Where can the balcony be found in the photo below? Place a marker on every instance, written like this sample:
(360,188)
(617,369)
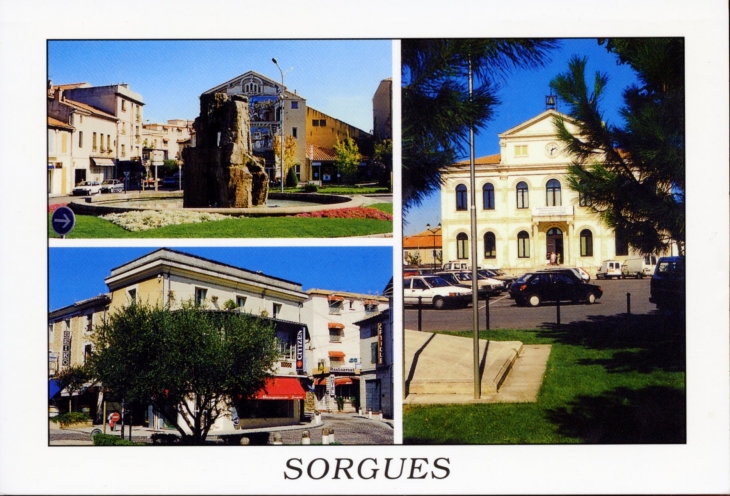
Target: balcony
(101,153)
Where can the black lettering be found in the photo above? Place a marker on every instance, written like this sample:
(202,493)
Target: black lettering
(442,467)
(344,469)
(387,466)
(415,467)
(374,472)
(311,464)
(289,465)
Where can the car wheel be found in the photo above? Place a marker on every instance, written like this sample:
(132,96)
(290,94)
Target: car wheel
(439,303)
(591,298)
(534,300)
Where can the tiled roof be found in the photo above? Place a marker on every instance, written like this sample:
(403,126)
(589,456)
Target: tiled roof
(88,108)
(423,239)
(487,160)
(345,294)
(320,154)
(56,123)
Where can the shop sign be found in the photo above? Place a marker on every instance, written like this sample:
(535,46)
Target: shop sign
(331,381)
(66,361)
(380,343)
(300,349)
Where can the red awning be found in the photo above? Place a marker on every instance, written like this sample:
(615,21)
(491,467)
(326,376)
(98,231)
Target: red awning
(335,325)
(281,388)
(370,303)
(335,298)
(342,381)
(336,354)
(322,381)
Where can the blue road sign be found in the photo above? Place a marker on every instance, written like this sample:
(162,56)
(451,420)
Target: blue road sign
(63,221)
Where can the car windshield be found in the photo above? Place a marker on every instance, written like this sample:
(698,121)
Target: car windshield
(524,278)
(108,181)
(668,268)
(436,282)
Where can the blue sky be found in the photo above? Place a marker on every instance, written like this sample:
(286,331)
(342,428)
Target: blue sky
(78,273)
(522,93)
(337,77)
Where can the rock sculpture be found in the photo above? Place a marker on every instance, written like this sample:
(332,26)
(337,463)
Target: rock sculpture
(221,170)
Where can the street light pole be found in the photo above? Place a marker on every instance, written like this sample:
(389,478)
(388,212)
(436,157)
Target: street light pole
(281,126)
(433,233)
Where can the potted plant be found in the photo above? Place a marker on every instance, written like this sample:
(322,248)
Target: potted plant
(340,403)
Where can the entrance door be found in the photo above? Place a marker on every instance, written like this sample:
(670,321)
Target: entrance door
(372,395)
(79,175)
(555,244)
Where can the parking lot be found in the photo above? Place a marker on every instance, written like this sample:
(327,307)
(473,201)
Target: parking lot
(505,314)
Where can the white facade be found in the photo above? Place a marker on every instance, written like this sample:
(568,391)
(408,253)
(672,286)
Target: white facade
(333,356)
(525,207)
(376,376)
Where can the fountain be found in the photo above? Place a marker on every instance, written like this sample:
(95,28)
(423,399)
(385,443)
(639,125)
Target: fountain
(221,166)
(221,173)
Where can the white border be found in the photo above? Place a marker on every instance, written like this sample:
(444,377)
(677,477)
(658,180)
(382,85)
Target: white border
(27,465)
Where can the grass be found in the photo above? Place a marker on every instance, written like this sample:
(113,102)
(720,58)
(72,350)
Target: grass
(608,381)
(88,226)
(383,207)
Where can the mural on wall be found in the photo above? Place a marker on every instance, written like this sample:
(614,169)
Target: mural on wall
(262,111)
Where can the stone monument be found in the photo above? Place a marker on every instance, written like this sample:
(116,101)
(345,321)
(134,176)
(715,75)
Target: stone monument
(221,170)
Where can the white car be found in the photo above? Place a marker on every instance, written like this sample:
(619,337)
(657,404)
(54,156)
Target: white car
(112,186)
(433,290)
(85,188)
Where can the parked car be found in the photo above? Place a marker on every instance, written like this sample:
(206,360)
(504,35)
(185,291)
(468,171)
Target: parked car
(86,188)
(639,267)
(111,186)
(492,286)
(500,275)
(609,269)
(578,271)
(667,288)
(433,290)
(535,287)
(173,180)
(451,278)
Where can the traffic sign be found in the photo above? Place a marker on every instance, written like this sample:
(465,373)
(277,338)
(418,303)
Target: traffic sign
(63,221)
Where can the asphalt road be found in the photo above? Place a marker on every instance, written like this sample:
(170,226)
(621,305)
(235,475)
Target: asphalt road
(505,314)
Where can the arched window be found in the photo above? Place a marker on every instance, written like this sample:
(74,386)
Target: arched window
(523,245)
(488,191)
(553,193)
(584,200)
(586,243)
(490,245)
(462,246)
(461,200)
(523,199)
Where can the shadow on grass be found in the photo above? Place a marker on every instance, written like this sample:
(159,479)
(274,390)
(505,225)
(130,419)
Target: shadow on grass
(652,415)
(642,343)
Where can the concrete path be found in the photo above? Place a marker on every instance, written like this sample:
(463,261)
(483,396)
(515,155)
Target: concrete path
(439,370)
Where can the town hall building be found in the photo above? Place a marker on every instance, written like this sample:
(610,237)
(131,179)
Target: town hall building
(525,206)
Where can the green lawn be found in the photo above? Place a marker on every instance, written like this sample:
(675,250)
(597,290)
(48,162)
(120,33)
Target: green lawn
(609,381)
(340,190)
(383,207)
(88,226)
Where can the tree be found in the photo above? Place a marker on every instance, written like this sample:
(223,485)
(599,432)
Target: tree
(291,178)
(383,160)
(633,175)
(437,111)
(347,158)
(290,152)
(75,379)
(190,364)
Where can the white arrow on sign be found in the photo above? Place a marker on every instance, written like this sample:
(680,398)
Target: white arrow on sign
(65,221)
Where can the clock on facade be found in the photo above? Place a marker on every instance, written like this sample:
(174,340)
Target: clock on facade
(552,149)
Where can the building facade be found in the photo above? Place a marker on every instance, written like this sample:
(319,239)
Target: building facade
(334,349)
(169,278)
(376,374)
(423,249)
(525,207)
(267,100)
(383,110)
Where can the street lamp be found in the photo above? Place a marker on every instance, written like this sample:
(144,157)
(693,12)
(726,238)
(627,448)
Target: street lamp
(281,126)
(433,233)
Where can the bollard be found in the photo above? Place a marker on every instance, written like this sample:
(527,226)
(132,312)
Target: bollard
(277,438)
(359,411)
(305,437)
(244,441)
(380,415)
(628,303)
(316,418)
(325,435)
(420,305)
(486,310)
(370,414)
(332,436)
(558,310)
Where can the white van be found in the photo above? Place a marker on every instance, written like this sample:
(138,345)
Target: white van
(639,267)
(609,269)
